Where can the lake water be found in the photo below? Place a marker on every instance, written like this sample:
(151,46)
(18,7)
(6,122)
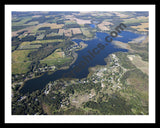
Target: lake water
(92,25)
(40,82)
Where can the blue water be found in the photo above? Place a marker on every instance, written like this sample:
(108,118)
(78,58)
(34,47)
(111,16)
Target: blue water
(92,25)
(77,70)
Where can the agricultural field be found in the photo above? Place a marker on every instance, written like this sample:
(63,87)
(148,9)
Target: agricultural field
(20,61)
(142,27)
(28,45)
(141,19)
(20,67)
(86,32)
(56,58)
(105,25)
(20,55)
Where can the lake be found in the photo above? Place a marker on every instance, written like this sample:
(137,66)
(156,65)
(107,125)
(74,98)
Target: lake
(92,25)
(40,82)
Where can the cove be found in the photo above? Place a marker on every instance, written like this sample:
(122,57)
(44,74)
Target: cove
(40,82)
(92,25)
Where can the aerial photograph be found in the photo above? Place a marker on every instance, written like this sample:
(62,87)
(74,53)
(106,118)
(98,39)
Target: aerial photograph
(80,63)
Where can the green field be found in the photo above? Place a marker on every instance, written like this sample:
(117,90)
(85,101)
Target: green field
(20,61)
(57,58)
(29,45)
(46,41)
(19,68)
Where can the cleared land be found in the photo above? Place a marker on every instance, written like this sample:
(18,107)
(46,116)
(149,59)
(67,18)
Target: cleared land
(121,45)
(46,41)
(142,27)
(121,15)
(86,32)
(105,25)
(19,68)
(34,29)
(138,39)
(70,31)
(20,56)
(56,58)
(27,45)
(76,31)
(140,19)
(82,22)
(78,99)
(139,63)
(20,61)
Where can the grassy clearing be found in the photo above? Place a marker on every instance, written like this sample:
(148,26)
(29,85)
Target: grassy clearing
(20,61)
(121,15)
(34,29)
(19,68)
(121,45)
(46,41)
(86,32)
(56,62)
(52,34)
(141,19)
(40,37)
(21,22)
(56,54)
(52,25)
(80,21)
(32,23)
(56,58)
(142,27)
(139,63)
(20,56)
(69,22)
(27,45)
(136,91)
(105,25)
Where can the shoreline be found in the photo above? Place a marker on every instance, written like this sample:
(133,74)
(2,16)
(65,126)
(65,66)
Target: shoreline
(75,56)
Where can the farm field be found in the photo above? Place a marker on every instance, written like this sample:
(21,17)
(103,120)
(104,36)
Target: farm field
(20,61)
(56,58)
(141,19)
(142,27)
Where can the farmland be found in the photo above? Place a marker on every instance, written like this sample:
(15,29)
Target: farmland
(56,58)
(20,61)
(142,27)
